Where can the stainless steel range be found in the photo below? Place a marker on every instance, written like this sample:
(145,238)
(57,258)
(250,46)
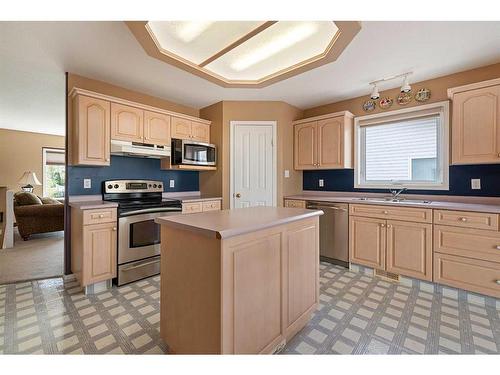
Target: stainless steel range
(139,203)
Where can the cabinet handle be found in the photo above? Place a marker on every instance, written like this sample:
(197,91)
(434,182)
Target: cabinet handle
(497,281)
(498,247)
(389,226)
(101,216)
(382,225)
(107,159)
(463,219)
(385,212)
(114,228)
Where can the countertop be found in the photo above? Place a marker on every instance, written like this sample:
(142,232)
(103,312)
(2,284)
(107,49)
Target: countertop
(435,203)
(229,223)
(91,205)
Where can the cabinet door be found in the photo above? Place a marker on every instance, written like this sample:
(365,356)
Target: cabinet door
(156,128)
(181,128)
(409,249)
(305,152)
(331,143)
(126,123)
(367,240)
(99,253)
(200,132)
(92,131)
(475,126)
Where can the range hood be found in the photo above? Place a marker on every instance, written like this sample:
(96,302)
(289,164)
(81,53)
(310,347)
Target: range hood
(143,150)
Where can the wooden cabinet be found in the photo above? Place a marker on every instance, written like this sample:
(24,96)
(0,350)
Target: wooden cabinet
(156,128)
(293,203)
(324,142)
(367,241)
(93,245)
(90,134)
(203,206)
(478,220)
(409,249)
(397,246)
(476,123)
(187,129)
(127,123)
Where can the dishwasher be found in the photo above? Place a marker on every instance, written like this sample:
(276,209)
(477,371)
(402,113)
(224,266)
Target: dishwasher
(333,232)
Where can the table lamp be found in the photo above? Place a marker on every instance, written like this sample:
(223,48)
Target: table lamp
(28,179)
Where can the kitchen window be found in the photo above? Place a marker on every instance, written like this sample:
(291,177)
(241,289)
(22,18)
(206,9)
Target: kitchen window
(405,148)
(53,172)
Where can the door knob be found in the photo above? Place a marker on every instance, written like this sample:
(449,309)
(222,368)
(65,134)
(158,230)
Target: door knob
(237,195)
(114,228)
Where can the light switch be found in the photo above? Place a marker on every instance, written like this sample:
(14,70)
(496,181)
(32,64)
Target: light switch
(321,183)
(475,183)
(87,183)
(172,183)
(287,173)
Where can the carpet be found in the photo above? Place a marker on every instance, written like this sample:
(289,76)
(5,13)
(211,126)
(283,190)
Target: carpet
(40,257)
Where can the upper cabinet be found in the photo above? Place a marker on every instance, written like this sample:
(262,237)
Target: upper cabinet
(156,128)
(476,123)
(96,119)
(186,129)
(127,123)
(90,133)
(324,142)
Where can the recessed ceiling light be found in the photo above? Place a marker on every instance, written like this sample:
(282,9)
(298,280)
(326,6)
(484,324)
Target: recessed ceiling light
(275,45)
(190,30)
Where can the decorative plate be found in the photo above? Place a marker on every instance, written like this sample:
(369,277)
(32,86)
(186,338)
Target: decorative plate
(385,103)
(369,105)
(404,98)
(423,95)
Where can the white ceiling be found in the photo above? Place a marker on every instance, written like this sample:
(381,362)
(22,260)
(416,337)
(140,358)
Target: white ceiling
(35,55)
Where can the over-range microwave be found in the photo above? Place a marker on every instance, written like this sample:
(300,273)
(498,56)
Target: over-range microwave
(189,152)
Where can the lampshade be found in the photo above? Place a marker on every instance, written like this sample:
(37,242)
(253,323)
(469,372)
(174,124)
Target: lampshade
(29,178)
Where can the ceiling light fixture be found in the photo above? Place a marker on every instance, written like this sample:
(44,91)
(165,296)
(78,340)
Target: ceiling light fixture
(375,94)
(274,46)
(190,30)
(405,88)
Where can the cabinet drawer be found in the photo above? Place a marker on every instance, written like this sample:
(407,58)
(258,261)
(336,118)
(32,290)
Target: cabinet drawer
(191,208)
(471,243)
(422,215)
(211,206)
(470,274)
(107,215)
(295,203)
(465,219)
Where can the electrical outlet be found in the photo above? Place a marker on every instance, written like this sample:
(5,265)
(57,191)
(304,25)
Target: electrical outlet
(287,173)
(475,183)
(172,183)
(321,183)
(87,183)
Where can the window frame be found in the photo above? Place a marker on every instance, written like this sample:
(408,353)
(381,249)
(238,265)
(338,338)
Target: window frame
(44,160)
(441,109)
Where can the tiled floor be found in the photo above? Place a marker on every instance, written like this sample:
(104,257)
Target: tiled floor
(358,314)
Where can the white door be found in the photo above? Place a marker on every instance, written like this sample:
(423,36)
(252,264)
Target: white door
(253,165)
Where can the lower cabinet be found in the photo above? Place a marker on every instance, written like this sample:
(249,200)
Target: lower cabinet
(93,246)
(409,249)
(367,241)
(400,247)
(203,206)
(294,203)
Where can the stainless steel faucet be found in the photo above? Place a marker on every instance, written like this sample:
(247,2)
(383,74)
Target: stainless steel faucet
(396,193)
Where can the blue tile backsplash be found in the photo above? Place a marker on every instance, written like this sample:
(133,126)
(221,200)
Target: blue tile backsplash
(123,167)
(460,176)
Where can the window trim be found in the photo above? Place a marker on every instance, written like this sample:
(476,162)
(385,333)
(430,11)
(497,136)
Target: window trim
(439,108)
(44,160)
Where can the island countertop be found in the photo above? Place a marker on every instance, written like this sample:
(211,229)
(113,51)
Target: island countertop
(228,223)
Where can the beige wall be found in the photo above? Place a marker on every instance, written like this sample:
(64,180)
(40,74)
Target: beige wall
(221,114)
(75,80)
(438,87)
(22,151)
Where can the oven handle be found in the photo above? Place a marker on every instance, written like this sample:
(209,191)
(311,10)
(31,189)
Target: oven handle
(150,210)
(141,265)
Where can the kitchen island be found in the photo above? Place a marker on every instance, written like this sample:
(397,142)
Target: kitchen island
(238,281)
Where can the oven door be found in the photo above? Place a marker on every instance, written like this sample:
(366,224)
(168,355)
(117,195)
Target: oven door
(198,153)
(139,235)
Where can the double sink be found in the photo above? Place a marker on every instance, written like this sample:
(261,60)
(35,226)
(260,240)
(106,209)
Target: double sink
(393,200)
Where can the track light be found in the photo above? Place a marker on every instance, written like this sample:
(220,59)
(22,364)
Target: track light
(375,94)
(406,85)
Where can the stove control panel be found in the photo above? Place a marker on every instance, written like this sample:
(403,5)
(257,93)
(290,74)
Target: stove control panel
(133,186)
